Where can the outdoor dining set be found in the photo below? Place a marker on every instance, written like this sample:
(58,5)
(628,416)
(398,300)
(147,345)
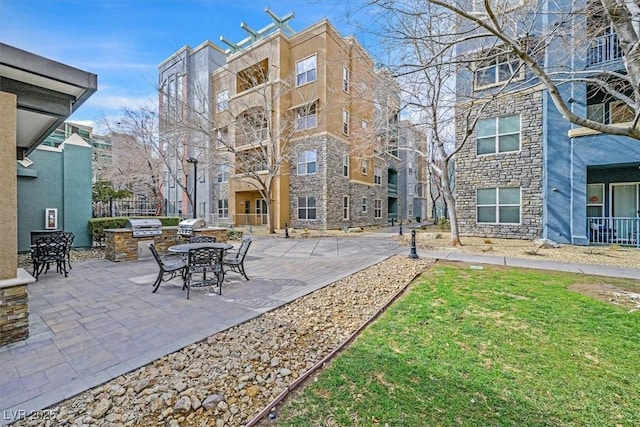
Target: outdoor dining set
(51,248)
(202,256)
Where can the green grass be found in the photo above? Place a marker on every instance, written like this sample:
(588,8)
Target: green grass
(491,347)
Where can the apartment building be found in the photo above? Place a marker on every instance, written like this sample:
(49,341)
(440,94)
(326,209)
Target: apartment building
(527,172)
(295,133)
(414,176)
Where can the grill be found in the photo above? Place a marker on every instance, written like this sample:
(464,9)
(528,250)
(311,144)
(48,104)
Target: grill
(143,227)
(186,227)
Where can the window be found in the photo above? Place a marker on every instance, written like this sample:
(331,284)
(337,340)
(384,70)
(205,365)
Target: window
(202,209)
(306,71)
(345,122)
(223,208)
(377,208)
(223,173)
(345,79)
(345,207)
(496,69)
(222,100)
(253,127)
(345,165)
(222,137)
(377,175)
(307,162)
(498,135)
(410,210)
(307,207)
(307,117)
(595,200)
(365,166)
(410,168)
(364,205)
(498,205)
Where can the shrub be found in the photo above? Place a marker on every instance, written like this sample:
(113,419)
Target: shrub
(443,223)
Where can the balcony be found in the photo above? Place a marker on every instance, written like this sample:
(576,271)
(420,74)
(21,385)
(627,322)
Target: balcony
(624,231)
(392,189)
(604,49)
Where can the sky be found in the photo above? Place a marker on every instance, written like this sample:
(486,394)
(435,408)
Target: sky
(123,41)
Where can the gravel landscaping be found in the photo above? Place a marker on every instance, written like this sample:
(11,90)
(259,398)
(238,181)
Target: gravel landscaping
(229,378)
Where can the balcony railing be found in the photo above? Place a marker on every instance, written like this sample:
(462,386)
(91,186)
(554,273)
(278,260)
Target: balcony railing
(392,188)
(623,231)
(604,49)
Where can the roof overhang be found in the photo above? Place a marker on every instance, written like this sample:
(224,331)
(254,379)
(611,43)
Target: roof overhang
(48,92)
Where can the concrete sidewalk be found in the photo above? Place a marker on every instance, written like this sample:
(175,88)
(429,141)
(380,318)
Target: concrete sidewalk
(103,321)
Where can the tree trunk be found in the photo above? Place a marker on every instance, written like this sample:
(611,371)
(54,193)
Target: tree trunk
(451,204)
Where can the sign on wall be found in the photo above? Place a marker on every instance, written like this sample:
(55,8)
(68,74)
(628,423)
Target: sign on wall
(51,218)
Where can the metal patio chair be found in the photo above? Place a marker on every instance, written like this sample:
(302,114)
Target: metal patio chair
(235,260)
(202,261)
(170,266)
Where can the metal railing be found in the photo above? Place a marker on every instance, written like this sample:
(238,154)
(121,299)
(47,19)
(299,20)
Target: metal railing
(125,207)
(624,231)
(392,188)
(604,49)
(254,220)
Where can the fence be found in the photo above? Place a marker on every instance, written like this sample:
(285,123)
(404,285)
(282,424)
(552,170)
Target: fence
(125,207)
(615,230)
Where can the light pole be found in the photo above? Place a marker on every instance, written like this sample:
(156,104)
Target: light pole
(195,183)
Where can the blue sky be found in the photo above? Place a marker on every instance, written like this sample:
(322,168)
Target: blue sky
(123,41)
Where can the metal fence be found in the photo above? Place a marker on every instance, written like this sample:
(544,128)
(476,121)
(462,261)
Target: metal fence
(135,206)
(614,230)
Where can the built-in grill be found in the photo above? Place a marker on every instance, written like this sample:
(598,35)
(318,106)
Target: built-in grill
(143,227)
(186,226)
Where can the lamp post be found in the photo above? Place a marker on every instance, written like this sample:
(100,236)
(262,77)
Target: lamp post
(195,183)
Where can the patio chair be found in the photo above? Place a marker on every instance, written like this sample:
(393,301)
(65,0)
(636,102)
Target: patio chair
(235,260)
(67,237)
(48,250)
(202,239)
(170,266)
(203,261)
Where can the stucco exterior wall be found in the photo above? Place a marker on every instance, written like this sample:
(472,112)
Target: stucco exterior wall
(8,194)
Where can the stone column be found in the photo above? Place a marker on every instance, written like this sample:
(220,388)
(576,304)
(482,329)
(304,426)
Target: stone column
(8,189)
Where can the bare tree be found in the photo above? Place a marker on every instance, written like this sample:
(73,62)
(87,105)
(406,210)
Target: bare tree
(575,26)
(136,158)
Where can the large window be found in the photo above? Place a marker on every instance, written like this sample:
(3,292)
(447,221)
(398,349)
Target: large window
(223,208)
(377,175)
(306,70)
(498,134)
(222,100)
(252,76)
(307,117)
(345,79)
(307,162)
(595,200)
(345,165)
(498,205)
(377,208)
(223,173)
(307,207)
(497,68)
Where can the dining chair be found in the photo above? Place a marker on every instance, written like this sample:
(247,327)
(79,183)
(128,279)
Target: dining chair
(170,266)
(202,261)
(48,250)
(235,260)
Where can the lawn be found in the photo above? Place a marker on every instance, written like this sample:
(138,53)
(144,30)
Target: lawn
(480,347)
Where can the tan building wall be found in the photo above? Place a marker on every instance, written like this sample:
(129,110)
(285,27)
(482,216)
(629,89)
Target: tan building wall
(8,189)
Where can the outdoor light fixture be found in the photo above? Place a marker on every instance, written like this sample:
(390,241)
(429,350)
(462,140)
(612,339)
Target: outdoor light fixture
(195,183)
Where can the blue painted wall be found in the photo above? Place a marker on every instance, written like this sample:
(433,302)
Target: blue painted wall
(59,178)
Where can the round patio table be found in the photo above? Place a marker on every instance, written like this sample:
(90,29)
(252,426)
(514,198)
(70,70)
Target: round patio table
(184,248)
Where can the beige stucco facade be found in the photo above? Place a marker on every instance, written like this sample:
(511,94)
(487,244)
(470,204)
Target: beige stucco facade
(8,189)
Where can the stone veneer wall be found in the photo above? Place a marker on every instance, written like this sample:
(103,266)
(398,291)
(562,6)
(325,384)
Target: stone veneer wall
(329,186)
(514,169)
(120,245)
(14,314)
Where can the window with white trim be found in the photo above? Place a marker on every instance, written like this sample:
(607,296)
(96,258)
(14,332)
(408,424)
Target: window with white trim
(497,68)
(306,70)
(345,79)
(364,205)
(307,208)
(410,210)
(496,5)
(307,117)
(365,166)
(222,137)
(223,208)
(307,162)
(595,200)
(377,208)
(223,173)
(222,100)
(345,165)
(377,175)
(345,122)
(498,205)
(345,207)
(498,135)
